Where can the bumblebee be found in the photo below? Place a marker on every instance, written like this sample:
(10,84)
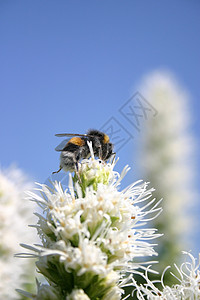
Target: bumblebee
(76,148)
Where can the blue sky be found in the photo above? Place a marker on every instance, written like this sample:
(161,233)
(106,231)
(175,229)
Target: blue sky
(67,66)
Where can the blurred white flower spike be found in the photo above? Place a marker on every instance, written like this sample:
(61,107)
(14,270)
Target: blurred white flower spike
(167,158)
(15,215)
(91,234)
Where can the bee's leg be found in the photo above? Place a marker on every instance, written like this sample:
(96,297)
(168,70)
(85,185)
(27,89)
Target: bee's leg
(97,148)
(57,171)
(77,172)
(100,153)
(113,157)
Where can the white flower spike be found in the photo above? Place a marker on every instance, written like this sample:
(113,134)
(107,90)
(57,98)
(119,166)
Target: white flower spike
(15,215)
(90,234)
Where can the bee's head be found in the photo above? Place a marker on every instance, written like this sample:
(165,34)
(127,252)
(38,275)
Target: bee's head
(104,138)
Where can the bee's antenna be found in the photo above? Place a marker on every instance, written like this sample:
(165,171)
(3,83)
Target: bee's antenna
(70,134)
(57,171)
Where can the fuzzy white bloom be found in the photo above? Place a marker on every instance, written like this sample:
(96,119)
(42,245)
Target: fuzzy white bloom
(78,295)
(90,232)
(15,215)
(167,153)
(187,288)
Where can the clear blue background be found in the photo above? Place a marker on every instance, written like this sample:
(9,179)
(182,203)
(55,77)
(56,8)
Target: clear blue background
(66,66)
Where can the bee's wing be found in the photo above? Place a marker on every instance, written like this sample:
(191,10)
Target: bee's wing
(62,145)
(69,134)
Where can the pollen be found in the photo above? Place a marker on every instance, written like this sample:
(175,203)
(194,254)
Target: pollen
(62,223)
(77,141)
(106,139)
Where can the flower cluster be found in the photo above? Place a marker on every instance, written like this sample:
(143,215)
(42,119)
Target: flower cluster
(188,286)
(90,234)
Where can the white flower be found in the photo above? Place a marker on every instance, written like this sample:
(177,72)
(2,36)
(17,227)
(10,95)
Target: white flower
(15,214)
(78,295)
(187,288)
(90,232)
